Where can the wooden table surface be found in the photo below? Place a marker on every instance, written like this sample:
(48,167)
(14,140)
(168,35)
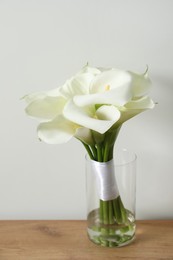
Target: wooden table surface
(67,240)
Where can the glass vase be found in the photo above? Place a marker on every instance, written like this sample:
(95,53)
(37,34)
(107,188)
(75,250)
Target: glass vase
(111,192)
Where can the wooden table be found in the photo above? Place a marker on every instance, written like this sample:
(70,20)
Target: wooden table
(67,240)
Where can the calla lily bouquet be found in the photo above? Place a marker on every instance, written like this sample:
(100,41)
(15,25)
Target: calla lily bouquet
(92,106)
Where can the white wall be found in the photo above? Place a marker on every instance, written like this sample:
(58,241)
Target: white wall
(42,43)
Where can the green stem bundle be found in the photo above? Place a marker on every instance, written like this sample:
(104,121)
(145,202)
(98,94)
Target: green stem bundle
(111,211)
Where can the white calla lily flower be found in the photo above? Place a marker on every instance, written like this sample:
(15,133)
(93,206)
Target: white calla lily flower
(46,108)
(87,119)
(59,130)
(141,84)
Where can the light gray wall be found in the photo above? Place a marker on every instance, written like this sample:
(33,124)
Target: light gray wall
(42,43)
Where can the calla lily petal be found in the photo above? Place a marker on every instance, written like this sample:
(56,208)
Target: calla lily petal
(85,135)
(83,80)
(34,96)
(84,118)
(110,79)
(108,113)
(78,85)
(135,107)
(140,103)
(91,70)
(141,84)
(46,108)
(41,95)
(118,96)
(57,131)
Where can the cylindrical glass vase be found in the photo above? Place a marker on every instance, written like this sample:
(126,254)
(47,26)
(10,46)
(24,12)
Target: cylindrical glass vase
(111,193)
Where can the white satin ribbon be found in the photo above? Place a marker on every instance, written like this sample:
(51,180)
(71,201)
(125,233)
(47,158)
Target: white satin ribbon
(105,177)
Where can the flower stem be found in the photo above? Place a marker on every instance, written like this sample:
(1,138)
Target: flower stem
(101,211)
(94,150)
(117,210)
(99,153)
(111,220)
(106,212)
(106,152)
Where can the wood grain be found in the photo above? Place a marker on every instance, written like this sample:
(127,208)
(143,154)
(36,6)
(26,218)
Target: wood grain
(67,240)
